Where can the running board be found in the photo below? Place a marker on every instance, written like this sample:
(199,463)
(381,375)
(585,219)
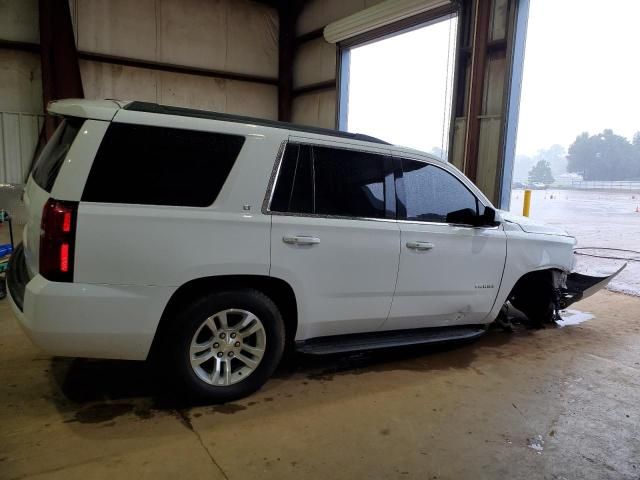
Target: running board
(389,339)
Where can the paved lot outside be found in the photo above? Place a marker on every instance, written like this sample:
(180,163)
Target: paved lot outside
(596,219)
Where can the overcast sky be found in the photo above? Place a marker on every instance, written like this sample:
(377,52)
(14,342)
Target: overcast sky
(582,73)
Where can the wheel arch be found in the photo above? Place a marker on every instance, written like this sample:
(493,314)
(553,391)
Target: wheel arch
(537,294)
(277,289)
(548,275)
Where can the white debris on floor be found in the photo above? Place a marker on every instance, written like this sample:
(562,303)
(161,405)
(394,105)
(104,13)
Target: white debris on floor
(536,443)
(573,317)
(603,219)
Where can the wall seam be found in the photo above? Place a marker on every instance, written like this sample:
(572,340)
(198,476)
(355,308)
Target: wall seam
(158,51)
(4,154)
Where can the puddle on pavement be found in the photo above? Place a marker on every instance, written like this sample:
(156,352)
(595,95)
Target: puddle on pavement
(101,412)
(228,408)
(99,391)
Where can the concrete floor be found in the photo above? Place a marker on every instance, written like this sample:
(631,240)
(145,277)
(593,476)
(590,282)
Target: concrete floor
(553,403)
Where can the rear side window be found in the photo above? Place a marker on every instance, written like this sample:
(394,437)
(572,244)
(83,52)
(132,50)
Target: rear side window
(140,164)
(330,181)
(431,193)
(48,165)
(348,183)
(294,191)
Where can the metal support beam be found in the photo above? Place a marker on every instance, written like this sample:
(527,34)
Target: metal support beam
(148,64)
(287,14)
(309,36)
(482,15)
(173,68)
(513,100)
(58,56)
(315,87)
(20,46)
(344,76)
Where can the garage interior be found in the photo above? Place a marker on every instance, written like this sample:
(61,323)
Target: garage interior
(550,403)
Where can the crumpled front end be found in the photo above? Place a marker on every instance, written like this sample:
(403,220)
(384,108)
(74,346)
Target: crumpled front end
(577,286)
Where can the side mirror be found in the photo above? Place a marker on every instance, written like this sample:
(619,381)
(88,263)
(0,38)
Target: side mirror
(489,217)
(468,216)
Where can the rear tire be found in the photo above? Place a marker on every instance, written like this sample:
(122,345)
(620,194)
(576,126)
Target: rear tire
(226,345)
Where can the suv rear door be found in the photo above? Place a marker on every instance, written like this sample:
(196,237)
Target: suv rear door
(334,236)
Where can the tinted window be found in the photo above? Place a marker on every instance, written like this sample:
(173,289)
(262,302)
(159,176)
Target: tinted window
(140,164)
(348,183)
(54,153)
(431,192)
(294,191)
(329,181)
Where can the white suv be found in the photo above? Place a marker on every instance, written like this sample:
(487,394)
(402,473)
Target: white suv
(215,242)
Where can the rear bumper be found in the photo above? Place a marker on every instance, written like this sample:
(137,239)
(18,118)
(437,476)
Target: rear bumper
(17,277)
(86,320)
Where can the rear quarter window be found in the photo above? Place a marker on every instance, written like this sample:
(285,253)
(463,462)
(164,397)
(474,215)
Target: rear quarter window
(50,160)
(140,164)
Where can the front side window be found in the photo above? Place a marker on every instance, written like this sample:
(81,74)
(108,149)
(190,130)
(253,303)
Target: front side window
(431,193)
(330,181)
(145,165)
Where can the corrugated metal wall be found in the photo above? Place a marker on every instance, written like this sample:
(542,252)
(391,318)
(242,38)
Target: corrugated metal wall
(228,36)
(18,138)
(315,61)
(20,91)
(235,36)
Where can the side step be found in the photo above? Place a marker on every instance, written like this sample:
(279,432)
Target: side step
(389,339)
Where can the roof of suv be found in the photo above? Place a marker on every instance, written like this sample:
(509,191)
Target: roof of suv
(106,110)
(226,117)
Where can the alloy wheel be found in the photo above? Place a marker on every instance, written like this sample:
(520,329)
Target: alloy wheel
(227,347)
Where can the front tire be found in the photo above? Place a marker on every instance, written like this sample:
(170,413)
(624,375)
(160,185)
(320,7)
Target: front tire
(535,297)
(539,311)
(226,345)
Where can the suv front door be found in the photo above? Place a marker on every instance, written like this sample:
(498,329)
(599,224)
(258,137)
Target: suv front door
(449,273)
(334,237)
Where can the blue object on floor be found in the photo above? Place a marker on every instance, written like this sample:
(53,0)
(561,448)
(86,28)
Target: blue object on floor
(5,250)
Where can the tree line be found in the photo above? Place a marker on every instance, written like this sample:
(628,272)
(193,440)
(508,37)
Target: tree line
(603,156)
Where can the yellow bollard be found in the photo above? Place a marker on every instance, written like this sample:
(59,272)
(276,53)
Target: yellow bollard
(527,203)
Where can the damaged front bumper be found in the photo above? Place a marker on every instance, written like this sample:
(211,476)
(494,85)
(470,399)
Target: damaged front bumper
(577,286)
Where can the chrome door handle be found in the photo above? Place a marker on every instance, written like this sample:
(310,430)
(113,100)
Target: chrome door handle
(300,240)
(420,245)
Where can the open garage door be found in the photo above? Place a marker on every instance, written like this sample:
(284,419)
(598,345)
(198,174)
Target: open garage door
(399,87)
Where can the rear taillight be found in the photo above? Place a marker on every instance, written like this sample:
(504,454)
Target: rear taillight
(57,240)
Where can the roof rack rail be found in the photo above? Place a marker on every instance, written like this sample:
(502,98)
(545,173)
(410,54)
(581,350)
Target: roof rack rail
(149,107)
